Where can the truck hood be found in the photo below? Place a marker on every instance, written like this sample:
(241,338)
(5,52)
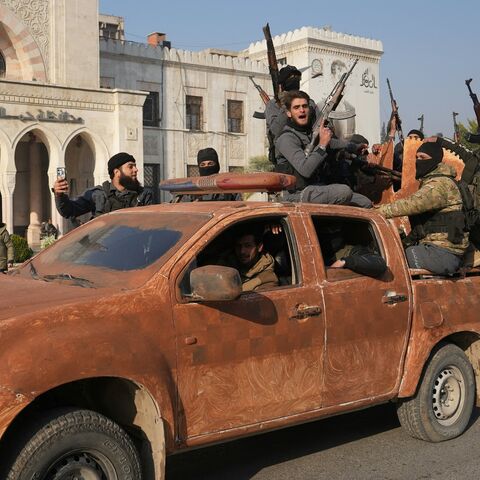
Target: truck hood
(19,296)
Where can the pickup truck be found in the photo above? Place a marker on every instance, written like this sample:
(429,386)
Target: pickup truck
(125,341)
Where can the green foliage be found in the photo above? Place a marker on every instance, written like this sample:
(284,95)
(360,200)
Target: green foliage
(47,241)
(260,163)
(470,128)
(22,250)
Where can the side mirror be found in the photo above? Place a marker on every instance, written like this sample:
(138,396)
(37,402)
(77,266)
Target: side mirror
(215,284)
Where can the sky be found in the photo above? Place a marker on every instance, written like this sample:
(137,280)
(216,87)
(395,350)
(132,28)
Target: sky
(430,47)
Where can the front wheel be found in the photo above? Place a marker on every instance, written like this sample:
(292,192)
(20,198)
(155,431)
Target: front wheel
(79,444)
(443,404)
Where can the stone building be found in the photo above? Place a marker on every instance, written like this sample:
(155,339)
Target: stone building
(73,92)
(52,111)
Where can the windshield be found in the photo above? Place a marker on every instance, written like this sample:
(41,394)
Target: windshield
(124,248)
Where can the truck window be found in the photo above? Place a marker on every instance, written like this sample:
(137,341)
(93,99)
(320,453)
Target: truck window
(340,238)
(277,246)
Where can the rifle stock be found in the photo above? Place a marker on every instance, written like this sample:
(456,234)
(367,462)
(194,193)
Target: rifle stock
(331,103)
(272,61)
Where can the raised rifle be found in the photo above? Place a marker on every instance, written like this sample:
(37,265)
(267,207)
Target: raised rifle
(420,119)
(263,94)
(395,113)
(331,103)
(272,61)
(476,108)
(456,130)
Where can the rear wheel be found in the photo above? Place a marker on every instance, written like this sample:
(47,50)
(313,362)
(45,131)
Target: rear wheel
(443,404)
(80,445)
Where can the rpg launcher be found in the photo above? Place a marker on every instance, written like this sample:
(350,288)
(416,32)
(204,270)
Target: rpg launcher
(269,182)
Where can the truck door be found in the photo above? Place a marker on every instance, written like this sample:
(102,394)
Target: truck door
(256,358)
(367,319)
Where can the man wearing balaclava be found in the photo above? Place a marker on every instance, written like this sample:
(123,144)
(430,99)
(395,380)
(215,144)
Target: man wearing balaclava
(288,80)
(208,164)
(438,238)
(123,191)
(207,160)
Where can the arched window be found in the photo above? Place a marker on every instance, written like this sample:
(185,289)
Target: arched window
(3,67)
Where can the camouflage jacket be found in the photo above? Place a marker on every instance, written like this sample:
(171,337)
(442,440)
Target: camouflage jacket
(435,194)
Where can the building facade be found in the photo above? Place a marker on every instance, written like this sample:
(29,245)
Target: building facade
(73,92)
(52,111)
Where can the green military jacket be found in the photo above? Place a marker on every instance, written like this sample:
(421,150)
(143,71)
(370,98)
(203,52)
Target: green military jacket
(435,194)
(6,248)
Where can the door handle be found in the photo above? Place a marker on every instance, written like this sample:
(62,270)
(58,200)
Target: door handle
(391,298)
(304,311)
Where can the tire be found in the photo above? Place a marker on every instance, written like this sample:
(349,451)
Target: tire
(443,404)
(76,444)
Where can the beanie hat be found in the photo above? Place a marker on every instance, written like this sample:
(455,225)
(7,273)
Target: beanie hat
(207,154)
(433,149)
(287,72)
(118,160)
(416,132)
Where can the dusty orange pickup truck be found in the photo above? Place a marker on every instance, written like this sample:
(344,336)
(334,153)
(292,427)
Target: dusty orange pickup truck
(122,344)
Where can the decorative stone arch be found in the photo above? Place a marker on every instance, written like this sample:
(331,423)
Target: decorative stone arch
(36,151)
(23,58)
(98,147)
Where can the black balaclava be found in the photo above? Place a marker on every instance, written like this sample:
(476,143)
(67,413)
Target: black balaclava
(358,139)
(289,78)
(424,167)
(416,132)
(208,154)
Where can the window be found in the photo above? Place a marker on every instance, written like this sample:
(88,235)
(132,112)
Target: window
(339,238)
(282,61)
(150,110)
(235,116)
(194,112)
(107,82)
(278,246)
(151,179)
(3,66)
(193,171)
(236,169)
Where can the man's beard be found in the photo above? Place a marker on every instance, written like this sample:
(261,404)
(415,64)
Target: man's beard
(129,183)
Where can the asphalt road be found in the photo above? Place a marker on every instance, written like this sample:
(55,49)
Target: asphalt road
(364,445)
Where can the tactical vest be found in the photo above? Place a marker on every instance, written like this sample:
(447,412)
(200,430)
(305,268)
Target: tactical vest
(454,224)
(114,202)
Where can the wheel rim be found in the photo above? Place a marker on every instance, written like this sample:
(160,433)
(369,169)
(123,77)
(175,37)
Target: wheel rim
(448,395)
(82,466)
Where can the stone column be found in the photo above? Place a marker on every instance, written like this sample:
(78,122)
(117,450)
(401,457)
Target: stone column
(36,200)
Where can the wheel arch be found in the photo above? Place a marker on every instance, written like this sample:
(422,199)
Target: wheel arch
(468,341)
(124,401)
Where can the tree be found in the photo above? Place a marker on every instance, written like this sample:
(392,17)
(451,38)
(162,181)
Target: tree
(383,133)
(464,130)
(260,163)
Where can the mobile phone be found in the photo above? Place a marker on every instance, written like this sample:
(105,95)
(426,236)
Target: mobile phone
(61,173)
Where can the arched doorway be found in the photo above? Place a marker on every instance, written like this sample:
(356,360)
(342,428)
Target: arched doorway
(31,198)
(79,165)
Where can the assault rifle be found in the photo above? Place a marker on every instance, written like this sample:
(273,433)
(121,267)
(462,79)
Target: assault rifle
(331,103)
(420,119)
(272,61)
(263,95)
(361,160)
(395,113)
(472,138)
(456,130)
